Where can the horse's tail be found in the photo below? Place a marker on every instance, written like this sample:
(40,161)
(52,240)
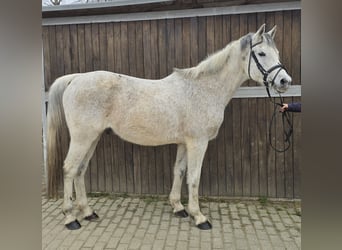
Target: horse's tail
(56,125)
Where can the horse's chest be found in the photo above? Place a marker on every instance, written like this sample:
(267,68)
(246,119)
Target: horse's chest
(210,123)
(213,128)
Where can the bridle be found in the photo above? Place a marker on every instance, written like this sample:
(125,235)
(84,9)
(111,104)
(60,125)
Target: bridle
(285,116)
(262,70)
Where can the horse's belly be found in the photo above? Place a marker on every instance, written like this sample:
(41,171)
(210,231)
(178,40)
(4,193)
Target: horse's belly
(146,136)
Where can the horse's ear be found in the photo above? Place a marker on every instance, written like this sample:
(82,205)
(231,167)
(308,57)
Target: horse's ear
(258,34)
(261,30)
(273,31)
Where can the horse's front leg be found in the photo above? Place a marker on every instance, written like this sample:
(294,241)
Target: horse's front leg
(178,175)
(195,152)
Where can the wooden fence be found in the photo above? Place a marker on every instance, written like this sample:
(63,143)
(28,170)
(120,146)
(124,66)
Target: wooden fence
(239,162)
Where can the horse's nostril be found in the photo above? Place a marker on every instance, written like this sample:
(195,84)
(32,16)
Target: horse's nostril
(283,81)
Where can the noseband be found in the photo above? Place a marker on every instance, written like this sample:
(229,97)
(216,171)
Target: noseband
(263,71)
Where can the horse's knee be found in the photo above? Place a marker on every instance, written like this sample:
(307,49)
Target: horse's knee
(69,171)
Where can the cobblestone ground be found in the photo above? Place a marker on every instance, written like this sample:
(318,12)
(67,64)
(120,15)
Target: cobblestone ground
(148,223)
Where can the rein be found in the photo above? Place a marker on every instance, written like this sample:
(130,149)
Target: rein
(285,116)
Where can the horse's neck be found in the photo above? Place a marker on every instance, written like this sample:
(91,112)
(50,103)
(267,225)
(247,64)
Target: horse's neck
(229,78)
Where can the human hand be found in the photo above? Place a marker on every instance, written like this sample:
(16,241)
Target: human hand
(284,107)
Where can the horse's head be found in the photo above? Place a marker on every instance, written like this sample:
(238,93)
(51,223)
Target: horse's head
(263,63)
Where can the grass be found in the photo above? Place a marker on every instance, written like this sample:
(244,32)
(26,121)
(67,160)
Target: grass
(263,200)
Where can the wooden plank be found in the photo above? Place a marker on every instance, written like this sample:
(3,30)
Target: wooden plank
(132,58)
(46,57)
(88,48)
(288,164)
(117,160)
(271,164)
(53,55)
(287,60)
(154,50)
(159,170)
(170,52)
(245,128)
(296,47)
(122,165)
(101,180)
(297,142)
(236,119)
(66,49)
(96,46)
(117,47)
(93,173)
(108,160)
(59,55)
(262,133)
(202,38)
(74,49)
(178,44)
(296,79)
(280,157)
(144,170)
(253,129)
(194,41)
(162,47)
(81,48)
(147,49)
(103,47)
(229,158)
(110,47)
(167,167)
(186,43)
(139,49)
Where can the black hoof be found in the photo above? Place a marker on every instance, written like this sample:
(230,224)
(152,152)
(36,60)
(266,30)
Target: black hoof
(74,225)
(92,217)
(182,214)
(205,226)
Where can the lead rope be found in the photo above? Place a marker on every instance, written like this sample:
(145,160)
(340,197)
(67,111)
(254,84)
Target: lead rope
(287,133)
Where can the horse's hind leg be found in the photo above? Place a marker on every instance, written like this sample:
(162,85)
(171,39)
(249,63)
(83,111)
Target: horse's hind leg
(73,163)
(81,195)
(179,173)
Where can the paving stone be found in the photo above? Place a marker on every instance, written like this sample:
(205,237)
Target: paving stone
(132,223)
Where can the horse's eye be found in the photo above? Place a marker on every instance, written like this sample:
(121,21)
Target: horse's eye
(261,54)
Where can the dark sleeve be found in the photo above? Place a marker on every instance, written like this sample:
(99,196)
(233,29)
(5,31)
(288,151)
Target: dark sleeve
(295,107)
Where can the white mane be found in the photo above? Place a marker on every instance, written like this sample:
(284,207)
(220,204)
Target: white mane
(211,65)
